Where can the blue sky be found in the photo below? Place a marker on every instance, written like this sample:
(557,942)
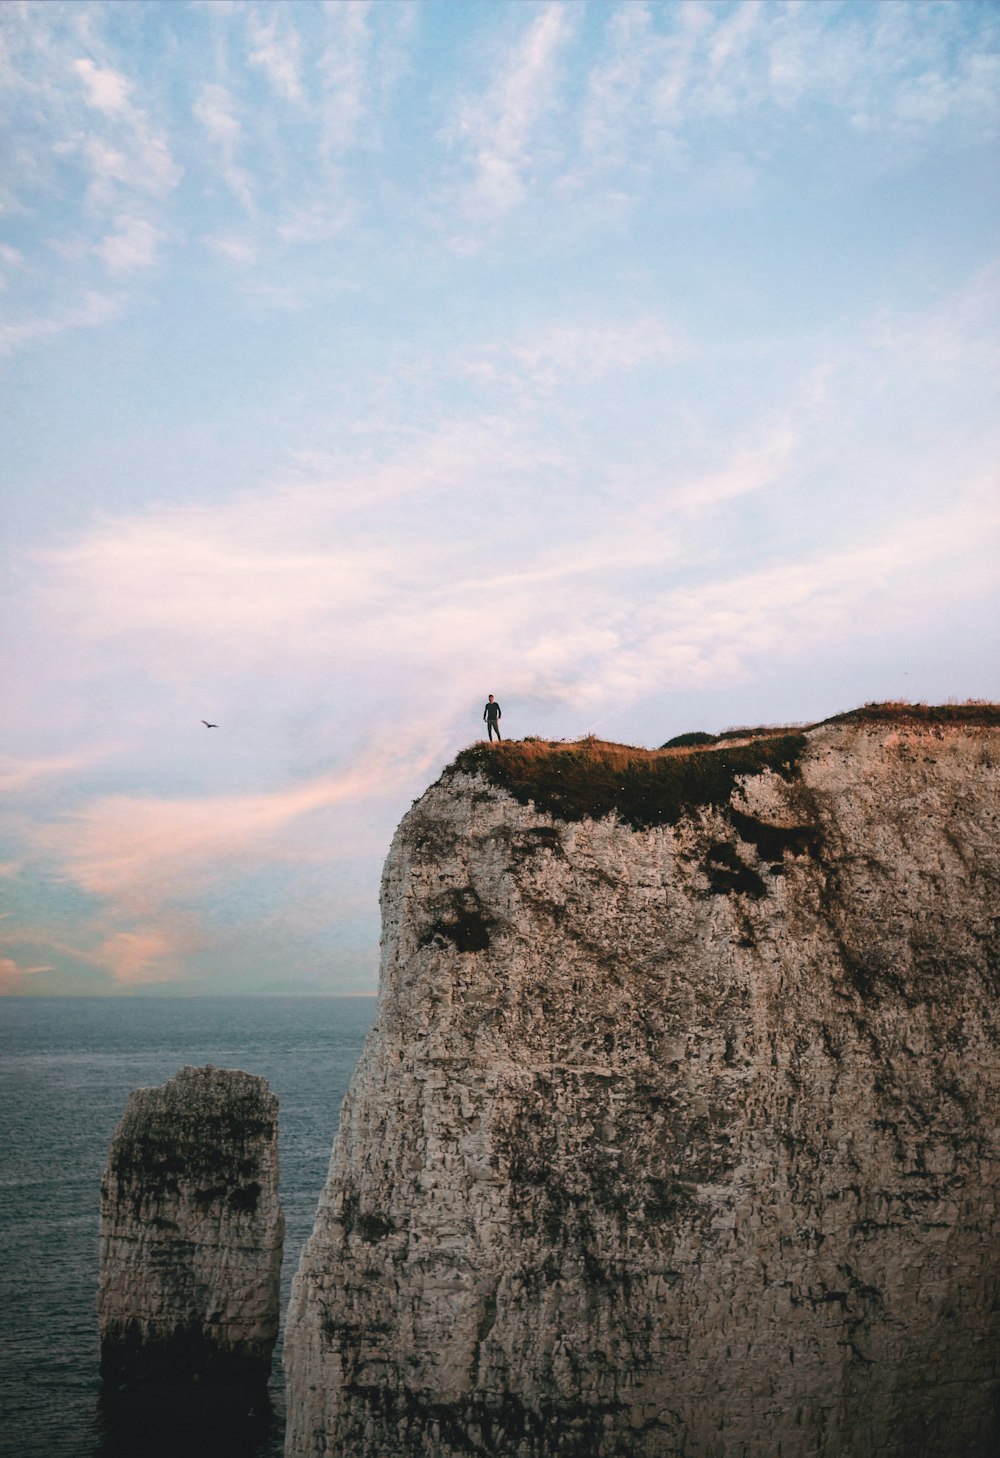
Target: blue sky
(636,363)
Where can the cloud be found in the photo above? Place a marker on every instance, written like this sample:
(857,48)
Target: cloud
(22,774)
(498,131)
(216,112)
(730,39)
(132,246)
(344,66)
(159,868)
(92,310)
(751,468)
(796,610)
(142,165)
(959,332)
(667,78)
(234,249)
(560,356)
(140,958)
(187,573)
(128,154)
(14,977)
(277,51)
(139,851)
(317,222)
(107,90)
(619,83)
(380,563)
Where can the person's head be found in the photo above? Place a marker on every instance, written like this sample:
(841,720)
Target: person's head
(490,697)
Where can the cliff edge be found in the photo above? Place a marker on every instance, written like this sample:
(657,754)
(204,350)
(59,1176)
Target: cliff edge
(677,1131)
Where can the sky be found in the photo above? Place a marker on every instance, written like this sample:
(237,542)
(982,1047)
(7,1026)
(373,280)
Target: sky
(636,363)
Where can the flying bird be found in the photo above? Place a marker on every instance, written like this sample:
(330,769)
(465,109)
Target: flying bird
(208,725)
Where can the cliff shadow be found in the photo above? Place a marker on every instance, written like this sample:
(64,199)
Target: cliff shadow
(167,1420)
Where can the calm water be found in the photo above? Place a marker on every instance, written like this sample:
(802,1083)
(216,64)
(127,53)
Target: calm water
(67,1066)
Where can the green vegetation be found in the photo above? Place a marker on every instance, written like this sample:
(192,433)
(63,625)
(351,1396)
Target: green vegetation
(644,787)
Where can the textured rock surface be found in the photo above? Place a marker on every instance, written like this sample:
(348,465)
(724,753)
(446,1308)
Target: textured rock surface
(675,1141)
(191,1233)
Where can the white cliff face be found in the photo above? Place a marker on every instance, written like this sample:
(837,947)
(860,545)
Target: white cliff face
(191,1233)
(675,1141)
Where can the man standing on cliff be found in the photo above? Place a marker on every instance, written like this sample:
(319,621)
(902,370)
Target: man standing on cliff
(491,714)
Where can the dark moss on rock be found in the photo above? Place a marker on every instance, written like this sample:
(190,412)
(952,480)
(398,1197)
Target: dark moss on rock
(729,875)
(460,920)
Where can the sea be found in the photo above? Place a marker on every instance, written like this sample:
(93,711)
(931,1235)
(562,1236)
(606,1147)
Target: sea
(67,1067)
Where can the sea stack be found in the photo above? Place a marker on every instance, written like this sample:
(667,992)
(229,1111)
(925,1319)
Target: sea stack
(191,1234)
(678,1131)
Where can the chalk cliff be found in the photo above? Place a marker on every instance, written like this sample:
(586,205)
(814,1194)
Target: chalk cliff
(191,1233)
(677,1132)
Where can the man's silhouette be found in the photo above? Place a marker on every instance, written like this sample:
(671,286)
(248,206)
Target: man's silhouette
(491,714)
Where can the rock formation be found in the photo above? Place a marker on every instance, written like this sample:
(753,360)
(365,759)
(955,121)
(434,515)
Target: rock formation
(191,1233)
(677,1132)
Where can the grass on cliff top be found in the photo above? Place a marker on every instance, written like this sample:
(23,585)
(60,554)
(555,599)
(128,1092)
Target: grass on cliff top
(974,712)
(592,777)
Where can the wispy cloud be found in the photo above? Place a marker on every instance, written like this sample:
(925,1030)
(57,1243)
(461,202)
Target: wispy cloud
(276,49)
(140,850)
(561,356)
(89,312)
(132,245)
(241,251)
(14,976)
(141,858)
(139,958)
(129,154)
(344,66)
(22,774)
(619,84)
(106,90)
(751,468)
(216,111)
(959,332)
(498,132)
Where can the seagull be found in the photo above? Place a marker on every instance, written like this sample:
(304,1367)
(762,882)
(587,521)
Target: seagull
(208,725)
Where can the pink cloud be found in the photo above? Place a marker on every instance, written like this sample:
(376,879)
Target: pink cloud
(25,774)
(138,958)
(14,977)
(139,850)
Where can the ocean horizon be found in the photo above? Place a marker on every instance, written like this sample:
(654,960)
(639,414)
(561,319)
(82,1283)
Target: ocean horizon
(67,1067)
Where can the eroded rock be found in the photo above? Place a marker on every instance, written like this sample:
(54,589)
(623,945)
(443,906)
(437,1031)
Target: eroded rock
(191,1233)
(677,1139)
